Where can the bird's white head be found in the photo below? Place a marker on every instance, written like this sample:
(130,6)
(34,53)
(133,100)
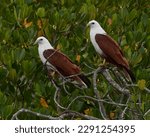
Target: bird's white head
(95,27)
(43,43)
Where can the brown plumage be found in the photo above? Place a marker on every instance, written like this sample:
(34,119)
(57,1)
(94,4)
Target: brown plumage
(65,67)
(113,53)
(60,63)
(108,48)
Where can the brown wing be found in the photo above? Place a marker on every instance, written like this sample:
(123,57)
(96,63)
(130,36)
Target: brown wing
(61,62)
(66,67)
(112,50)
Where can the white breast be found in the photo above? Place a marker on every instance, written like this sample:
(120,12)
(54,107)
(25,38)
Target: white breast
(41,49)
(96,46)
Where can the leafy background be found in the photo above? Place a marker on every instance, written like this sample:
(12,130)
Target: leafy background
(23,80)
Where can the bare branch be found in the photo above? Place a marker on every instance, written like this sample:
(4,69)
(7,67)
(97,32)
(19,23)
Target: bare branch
(147,90)
(55,98)
(115,103)
(94,99)
(23,110)
(89,66)
(65,112)
(147,112)
(119,76)
(62,116)
(74,113)
(101,106)
(108,77)
(124,111)
(135,85)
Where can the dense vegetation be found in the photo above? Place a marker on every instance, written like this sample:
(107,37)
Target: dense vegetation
(23,79)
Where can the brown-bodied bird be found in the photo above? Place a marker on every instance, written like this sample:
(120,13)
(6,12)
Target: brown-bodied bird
(107,48)
(57,61)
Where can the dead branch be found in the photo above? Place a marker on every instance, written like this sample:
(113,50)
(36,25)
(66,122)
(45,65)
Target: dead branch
(135,85)
(125,109)
(96,100)
(101,106)
(77,114)
(57,102)
(65,112)
(108,77)
(62,116)
(23,110)
(146,113)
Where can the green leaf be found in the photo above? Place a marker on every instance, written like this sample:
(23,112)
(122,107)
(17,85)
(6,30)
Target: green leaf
(3,98)
(21,54)
(27,66)
(3,73)
(78,106)
(85,55)
(12,75)
(136,58)
(15,14)
(124,13)
(129,36)
(38,87)
(132,15)
(141,84)
(40,12)
(7,110)
(114,19)
(7,60)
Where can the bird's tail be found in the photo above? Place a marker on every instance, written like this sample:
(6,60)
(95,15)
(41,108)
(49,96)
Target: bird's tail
(85,80)
(131,74)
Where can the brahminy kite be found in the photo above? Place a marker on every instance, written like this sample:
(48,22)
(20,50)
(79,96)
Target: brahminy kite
(108,48)
(59,62)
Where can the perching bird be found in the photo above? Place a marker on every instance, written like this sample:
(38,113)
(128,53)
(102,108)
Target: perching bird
(107,48)
(58,62)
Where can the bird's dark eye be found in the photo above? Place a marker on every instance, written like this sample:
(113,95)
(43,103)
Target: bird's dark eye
(93,23)
(41,39)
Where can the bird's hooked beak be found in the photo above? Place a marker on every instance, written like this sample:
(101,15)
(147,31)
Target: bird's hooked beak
(35,42)
(88,24)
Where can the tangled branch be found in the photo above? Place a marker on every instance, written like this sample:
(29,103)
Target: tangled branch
(66,112)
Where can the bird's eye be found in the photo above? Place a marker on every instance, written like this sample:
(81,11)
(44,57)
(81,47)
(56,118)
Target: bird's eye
(41,39)
(93,23)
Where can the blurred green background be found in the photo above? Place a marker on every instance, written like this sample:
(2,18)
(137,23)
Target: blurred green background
(23,80)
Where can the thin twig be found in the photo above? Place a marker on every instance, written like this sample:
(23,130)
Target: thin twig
(115,103)
(55,98)
(108,77)
(64,86)
(135,85)
(147,112)
(79,114)
(119,76)
(147,90)
(94,99)
(124,111)
(89,66)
